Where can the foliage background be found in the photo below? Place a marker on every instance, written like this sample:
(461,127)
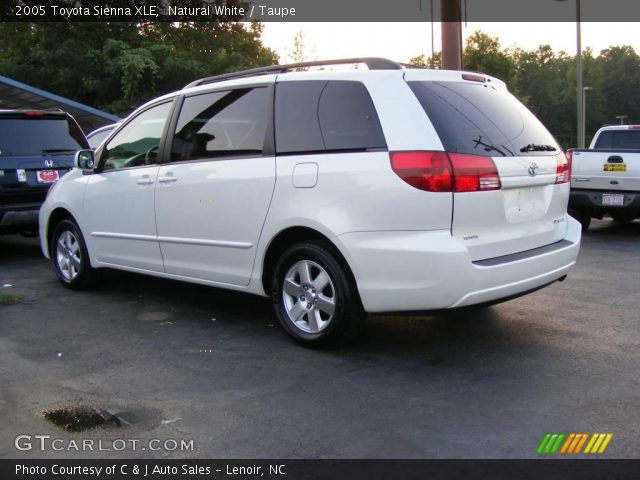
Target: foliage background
(117,66)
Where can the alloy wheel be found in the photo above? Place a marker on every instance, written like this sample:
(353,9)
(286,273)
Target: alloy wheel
(68,255)
(309,296)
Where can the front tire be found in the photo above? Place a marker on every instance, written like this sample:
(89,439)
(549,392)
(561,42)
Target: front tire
(71,258)
(315,297)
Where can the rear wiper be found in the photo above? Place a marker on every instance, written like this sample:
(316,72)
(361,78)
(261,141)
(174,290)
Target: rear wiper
(532,147)
(57,150)
(487,146)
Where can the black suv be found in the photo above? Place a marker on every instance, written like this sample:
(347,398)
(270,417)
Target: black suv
(36,148)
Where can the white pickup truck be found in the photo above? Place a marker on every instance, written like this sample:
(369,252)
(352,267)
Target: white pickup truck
(605,178)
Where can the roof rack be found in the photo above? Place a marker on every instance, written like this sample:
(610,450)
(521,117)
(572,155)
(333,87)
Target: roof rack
(35,109)
(373,63)
(411,65)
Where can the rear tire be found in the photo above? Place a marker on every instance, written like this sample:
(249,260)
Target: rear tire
(70,257)
(583,215)
(315,297)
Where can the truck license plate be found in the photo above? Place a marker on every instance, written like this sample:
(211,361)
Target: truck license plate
(613,199)
(612,167)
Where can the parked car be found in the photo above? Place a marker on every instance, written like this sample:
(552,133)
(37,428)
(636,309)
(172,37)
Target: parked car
(36,148)
(606,176)
(99,135)
(335,192)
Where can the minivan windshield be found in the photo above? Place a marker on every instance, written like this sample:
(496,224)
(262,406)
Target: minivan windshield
(480,119)
(25,136)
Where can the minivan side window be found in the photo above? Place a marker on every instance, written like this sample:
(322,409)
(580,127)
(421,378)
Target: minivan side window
(221,124)
(137,143)
(319,116)
(348,119)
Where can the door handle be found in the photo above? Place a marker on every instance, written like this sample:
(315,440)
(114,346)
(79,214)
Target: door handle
(167,179)
(614,159)
(145,181)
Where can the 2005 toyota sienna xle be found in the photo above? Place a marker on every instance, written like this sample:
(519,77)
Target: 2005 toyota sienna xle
(336,192)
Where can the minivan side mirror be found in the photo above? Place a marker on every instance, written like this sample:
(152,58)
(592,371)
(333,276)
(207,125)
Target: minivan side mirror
(84,160)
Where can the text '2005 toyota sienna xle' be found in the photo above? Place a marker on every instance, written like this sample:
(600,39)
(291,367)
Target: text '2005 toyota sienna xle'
(336,192)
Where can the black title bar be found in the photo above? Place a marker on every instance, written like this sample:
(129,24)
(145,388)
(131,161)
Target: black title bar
(317,10)
(319,469)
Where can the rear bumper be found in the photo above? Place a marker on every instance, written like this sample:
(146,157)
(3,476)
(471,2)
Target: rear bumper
(592,199)
(19,217)
(420,271)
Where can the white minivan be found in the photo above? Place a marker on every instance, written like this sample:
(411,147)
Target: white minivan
(335,192)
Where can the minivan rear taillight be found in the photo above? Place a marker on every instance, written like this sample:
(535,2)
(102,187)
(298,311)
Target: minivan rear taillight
(563,167)
(428,171)
(474,173)
(443,172)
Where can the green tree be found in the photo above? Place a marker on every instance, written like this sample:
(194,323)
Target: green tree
(595,98)
(428,62)
(298,53)
(484,54)
(620,71)
(118,66)
(542,83)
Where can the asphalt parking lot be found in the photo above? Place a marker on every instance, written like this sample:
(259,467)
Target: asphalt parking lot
(187,362)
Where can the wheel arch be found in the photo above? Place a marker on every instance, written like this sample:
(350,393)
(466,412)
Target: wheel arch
(56,216)
(289,237)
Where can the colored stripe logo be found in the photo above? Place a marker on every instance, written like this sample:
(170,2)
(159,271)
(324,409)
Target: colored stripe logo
(573,443)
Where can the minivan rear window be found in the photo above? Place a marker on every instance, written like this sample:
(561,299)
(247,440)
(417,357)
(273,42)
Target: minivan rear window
(621,139)
(481,119)
(26,136)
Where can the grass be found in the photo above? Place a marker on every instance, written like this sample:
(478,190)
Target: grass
(77,419)
(6,299)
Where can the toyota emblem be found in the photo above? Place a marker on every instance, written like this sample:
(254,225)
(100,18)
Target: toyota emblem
(532,169)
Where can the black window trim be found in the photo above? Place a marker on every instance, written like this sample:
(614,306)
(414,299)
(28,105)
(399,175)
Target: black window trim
(341,151)
(268,149)
(161,146)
